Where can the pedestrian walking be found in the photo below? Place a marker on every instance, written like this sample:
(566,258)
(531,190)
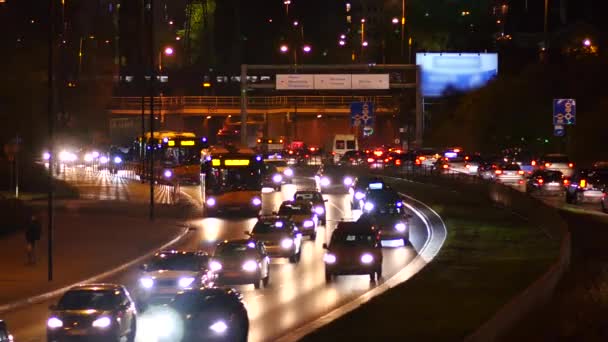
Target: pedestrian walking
(32,235)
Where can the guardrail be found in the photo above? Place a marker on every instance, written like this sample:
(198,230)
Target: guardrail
(537,212)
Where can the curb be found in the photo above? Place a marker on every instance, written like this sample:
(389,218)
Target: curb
(48,295)
(405,273)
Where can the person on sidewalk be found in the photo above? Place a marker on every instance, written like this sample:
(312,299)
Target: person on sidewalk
(32,235)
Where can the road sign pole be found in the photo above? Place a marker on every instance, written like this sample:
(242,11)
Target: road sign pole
(51,123)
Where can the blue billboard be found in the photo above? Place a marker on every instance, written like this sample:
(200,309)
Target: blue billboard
(457,71)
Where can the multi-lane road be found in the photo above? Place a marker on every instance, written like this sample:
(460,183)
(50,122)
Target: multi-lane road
(297,293)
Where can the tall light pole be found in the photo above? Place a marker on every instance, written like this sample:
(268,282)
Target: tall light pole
(152,90)
(287,3)
(402,27)
(546,25)
(168,51)
(51,123)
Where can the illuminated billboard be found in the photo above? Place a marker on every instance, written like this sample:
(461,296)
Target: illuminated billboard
(457,71)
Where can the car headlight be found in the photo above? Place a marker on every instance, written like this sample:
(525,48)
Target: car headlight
(329,258)
(325,181)
(400,227)
(102,322)
(215,266)
(367,258)
(95,154)
(359,195)
(256,201)
(219,327)
(288,172)
(308,224)
(146,283)
(54,323)
(286,243)
(348,181)
(104,160)
(211,202)
(46,156)
(168,174)
(399,204)
(250,266)
(88,158)
(117,160)
(185,282)
(368,206)
(277,178)
(319,210)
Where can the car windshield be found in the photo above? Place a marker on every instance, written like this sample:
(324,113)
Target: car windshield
(552,175)
(235,249)
(352,239)
(294,209)
(556,159)
(267,227)
(307,196)
(209,302)
(175,262)
(89,299)
(511,167)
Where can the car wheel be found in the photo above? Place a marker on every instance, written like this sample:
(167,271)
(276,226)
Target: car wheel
(313,236)
(372,276)
(405,241)
(133,331)
(257,284)
(266,280)
(328,277)
(293,259)
(379,273)
(578,198)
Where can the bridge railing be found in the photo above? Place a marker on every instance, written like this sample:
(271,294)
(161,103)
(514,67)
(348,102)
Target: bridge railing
(252,101)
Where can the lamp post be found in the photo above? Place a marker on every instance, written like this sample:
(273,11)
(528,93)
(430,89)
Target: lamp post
(306,49)
(167,51)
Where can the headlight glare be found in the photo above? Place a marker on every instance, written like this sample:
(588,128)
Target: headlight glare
(308,224)
(325,181)
(329,258)
(286,243)
(277,178)
(117,160)
(400,227)
(46,156)
(54,323)
(215,266)
(250,266)
(211,202)
(368,206)
(359,195)
(348,181)
(168,174)
(256,201)
(104,160)
(219,327)
(367,258)
(186,281)
(102,322)
(146,283)
(288,172)
(319,210)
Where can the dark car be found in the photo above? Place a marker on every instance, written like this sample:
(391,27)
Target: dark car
(5,336)
(391,220)
(272,177)
(242,261)
(317,200)
(281,237)
(352,158)
(354,248)
(380,199)
(207,314)
(302,214)
(93,312)
(169,272)
(359,188)
(587,185)
(546,182)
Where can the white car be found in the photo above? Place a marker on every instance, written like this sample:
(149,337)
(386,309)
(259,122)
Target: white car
(558,162)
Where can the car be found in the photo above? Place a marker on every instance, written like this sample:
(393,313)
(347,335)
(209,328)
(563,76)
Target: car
(398,158)
(377,158)
(93,312)
(510,174)
(169,272)
(280,163)
(5,335)
(557,162)
(272,177)
(546,182)
(242,261)
(391,220)
(354,248)
(206,314)
(281,237)
(352,158)
(317,200)
(332,178)
(426,157)
(360,185)
(302,214)
(587,185)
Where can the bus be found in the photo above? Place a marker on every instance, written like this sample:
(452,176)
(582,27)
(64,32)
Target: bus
(177,157)
(269,145)
(231,181)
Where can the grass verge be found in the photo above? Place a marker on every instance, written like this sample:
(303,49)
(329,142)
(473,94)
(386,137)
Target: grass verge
(489,257)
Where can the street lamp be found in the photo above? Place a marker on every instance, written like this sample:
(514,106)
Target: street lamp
(306,48)
(395,21)
(284,48)
(587,42)
(167,51)
(287,3)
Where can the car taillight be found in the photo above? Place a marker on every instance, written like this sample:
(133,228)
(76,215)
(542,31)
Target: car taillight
(445,166)
(547,164)
(498,172)
(418,162)
(566,182)
(467,166)
(582,183)
(541,181)
(386,160)
(378,153)
(398,162)
(422,158)
(370,160)
(570,165)
(533,163)
(520,172)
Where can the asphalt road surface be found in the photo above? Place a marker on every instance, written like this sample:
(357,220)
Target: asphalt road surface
(297,293)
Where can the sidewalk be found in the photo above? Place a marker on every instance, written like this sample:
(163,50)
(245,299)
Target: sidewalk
(86,243)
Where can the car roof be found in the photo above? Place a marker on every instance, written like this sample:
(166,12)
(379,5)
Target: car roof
(354,227)
(177,252)
(96,287)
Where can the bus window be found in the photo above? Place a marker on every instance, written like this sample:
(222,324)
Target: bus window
(339,144)
(350,145)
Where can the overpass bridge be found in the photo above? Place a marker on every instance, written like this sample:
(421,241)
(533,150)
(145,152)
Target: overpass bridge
(310,118)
